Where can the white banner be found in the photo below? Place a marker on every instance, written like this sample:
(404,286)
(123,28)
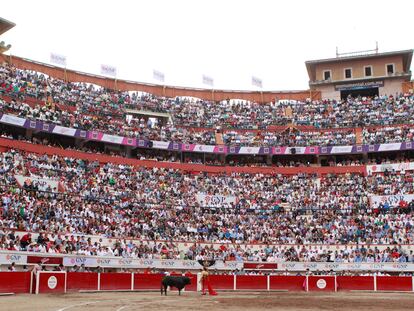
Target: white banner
(204,148)
(158,75)
(6,118)
(392,200)
(388,147)
(43,184)
(112,139)
(58,59)
(341,149)
(121,262)
(108,70)
(257,82)
(353,266)
(207,80)
(298,150)
(64,130)
(249,150)
(208,200)
(7,259)
(398,167)
(160,144)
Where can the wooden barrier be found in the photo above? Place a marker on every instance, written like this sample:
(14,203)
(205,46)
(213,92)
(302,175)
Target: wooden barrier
(61,282)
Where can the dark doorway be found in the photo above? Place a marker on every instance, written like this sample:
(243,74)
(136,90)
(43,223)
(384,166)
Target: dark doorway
(368,92)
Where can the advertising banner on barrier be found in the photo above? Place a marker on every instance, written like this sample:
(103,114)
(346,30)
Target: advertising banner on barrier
(392,200)
(353,266)
(209,200)
(397,167)
(43,184)
(260,265)
(146,263)
(7,259)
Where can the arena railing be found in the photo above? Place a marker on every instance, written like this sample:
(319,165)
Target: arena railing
(6,144)
(58,282)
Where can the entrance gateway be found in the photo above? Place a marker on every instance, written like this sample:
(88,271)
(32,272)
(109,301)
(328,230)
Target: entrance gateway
(367,89)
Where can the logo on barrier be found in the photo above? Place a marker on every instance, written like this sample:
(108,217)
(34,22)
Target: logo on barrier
(147,262)
(231,265)
(125,262)
(103,261)
(331,266)
(377,266)
(288,266)
(78,260)
(52,282)
(400,266)
(13,258)
(190,263)
(310,265)
(321,283)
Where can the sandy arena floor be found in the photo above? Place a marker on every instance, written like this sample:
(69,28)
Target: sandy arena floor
(225,301)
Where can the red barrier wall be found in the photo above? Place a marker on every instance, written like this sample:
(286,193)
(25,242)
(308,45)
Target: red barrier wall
(60,282)
(397,283)
(82,281)
(222,282)
(116,281)
(50,282)
(321,283)
(355,282)
(251,282)
(15,282)
(193,286)
(290,283)
(147,281)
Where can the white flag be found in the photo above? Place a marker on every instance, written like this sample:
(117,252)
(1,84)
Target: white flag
(158,75)
(256,82)
(208,80)
(58,59)
(108,70)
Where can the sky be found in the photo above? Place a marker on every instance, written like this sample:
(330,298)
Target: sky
(228,40)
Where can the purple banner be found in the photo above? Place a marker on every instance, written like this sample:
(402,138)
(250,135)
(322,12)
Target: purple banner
(176,146)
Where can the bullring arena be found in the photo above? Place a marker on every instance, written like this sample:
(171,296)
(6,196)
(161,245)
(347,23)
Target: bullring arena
(112,189)
(225,301)
(133,291)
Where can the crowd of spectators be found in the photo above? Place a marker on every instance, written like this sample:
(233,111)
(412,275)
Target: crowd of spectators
(147,213)
(89,107)
(149,205)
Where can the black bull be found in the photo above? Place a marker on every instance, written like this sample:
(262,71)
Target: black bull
(178,282)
